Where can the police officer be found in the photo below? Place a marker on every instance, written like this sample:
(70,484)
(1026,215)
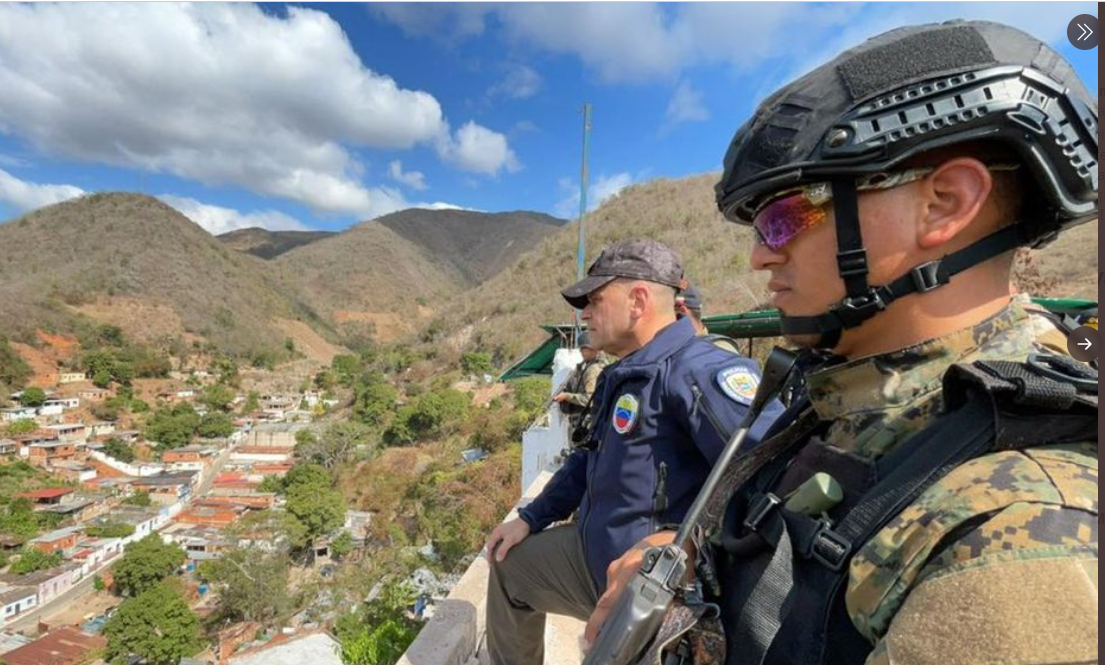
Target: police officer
(662,415)
(958,519)
(574,397)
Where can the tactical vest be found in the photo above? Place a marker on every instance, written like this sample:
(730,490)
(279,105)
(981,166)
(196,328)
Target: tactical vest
(785,573)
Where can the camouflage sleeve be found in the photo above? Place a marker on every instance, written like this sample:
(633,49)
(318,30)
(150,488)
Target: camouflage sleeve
(590,381)
(976,524)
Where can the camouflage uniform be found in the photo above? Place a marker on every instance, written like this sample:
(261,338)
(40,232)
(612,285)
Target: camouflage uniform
(986,515)
(580,386)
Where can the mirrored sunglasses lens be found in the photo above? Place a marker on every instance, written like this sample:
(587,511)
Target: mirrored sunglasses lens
(779,222)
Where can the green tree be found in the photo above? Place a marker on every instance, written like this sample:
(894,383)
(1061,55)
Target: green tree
(173,427)
(346,368)
(218,397)
(157,626)
(226,371)
(430,415)
(119,449)
(324,380)
(530,394)
(374,399)
(108,335)
(215,426)
(312,502)
(379,632)
(252,585)
(19,519)
(14,372)
(33,396)
(475,362)
(145,564)
(252,403)
(107,410)
(32,559)
(341,545)
(22,426)
(336,444)
(274,484)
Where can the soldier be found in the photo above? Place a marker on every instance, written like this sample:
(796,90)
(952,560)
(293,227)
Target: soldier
(889,189)
(574,397)
(689,304)
(661,416)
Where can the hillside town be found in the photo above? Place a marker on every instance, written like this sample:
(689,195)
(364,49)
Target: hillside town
(97,505)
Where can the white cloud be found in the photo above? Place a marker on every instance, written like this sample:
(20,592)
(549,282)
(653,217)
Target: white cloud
(217,220)
(598,193)
(478,149)
(685,106)
(640,42)
(412,179)
(218,93)
(24,195)
(520,82)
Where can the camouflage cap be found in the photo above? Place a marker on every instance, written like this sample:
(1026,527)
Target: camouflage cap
(647,260)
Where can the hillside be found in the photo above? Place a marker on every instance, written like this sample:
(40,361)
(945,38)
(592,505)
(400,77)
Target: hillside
(503,314)
(132,261)
(266,244)
(479,245)
(384,278)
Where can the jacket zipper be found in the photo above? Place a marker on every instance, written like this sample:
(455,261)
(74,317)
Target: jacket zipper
(659,496)
(699,401)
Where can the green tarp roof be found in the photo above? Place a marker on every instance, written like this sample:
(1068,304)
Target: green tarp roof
(750,325)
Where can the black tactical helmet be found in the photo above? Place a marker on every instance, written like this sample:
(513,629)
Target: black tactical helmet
(904,93)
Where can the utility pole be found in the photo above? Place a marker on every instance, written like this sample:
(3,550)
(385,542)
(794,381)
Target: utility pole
(581,245)
(581,248)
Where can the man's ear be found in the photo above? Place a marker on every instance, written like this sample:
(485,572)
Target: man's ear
(956,193)
(639,298)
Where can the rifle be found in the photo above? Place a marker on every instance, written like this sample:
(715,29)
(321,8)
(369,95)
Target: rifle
(640,610)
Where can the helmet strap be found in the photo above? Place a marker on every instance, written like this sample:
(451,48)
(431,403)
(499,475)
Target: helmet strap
(863,301)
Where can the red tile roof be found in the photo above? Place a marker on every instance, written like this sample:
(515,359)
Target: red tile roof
(64,646)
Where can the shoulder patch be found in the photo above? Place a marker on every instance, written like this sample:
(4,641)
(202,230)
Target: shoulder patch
(626,410)
(738,383)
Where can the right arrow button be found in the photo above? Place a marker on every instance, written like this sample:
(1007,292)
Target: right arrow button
(1084,343)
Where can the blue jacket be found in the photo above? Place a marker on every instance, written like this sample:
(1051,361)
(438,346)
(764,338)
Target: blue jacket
(663,415)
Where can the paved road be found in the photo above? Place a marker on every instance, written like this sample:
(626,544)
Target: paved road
(213,472)
(29,620)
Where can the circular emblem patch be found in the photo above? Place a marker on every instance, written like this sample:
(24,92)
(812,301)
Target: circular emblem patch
(738,383)
(626,410)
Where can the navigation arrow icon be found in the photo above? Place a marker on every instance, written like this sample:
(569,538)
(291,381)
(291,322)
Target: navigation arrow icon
(1086,344)
(1083,29)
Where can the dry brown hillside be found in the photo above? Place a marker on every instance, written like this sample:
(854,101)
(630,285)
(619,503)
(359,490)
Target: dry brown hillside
(478,244)
(131,260)
(266,244)
(368,281)
(383,278)
(503,314)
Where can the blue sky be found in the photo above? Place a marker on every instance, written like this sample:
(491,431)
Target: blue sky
(320,116)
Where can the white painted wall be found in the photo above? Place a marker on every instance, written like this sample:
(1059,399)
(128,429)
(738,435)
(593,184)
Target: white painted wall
(543,444)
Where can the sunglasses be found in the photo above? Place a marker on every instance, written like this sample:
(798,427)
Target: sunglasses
(790,212)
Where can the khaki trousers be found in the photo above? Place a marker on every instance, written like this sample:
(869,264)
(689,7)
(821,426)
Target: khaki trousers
(544,574)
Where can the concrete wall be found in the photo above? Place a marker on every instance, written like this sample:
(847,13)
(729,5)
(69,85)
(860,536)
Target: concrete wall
(543,444)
